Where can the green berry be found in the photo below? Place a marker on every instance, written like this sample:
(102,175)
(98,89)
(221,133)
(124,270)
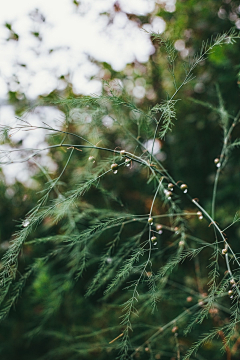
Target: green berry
(150,220)
(168,194)
(114,167)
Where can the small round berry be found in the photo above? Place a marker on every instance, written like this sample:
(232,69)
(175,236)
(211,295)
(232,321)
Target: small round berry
(217,162)
(150,220)
(153,238)
(184,188)
(232,281)
(91,158)
(127,162)
(122,152)
(174,329)
(170,186)
(114,167)
(158,227)
(230,292)
(168,194)
(224,251)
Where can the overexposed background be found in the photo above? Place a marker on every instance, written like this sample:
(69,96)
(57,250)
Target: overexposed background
(57,38)
(44,44)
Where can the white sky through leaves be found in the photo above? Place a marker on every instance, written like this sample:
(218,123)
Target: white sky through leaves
(69,38)
(70,35)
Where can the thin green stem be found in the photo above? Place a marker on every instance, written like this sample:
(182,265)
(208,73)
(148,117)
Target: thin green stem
(155,195)
(222,162)
(224,239)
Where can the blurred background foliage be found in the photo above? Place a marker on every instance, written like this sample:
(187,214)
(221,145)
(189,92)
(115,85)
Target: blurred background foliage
(53,319)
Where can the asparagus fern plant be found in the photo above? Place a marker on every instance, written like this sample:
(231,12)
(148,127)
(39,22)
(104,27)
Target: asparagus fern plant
(101,251)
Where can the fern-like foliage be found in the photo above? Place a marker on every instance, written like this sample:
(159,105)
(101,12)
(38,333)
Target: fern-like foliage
(94,246)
